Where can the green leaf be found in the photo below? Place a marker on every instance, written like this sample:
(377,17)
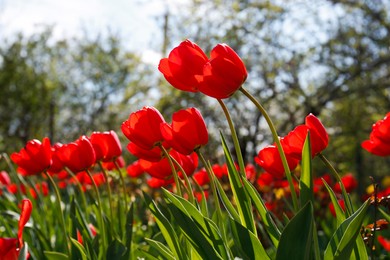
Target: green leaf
(80,247)
(269,223)
(161,248)
(51,255)
(166,228)
(129,231)
(242,199)
(23,252)
(340,215)
(296,239)
(306,180)
(115,250)
(343,240)
(385,215)
(249,244)
(202,232)
(198,239)
(226,202)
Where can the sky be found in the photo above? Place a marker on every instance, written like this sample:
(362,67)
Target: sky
(136,21)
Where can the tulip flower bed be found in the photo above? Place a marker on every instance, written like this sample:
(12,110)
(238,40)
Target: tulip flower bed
(80,200)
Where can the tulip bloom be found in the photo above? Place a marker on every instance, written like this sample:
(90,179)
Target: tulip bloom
(106,145)
(35,157)
(349,181)
(187,132)
(188,68)
(161,169)
(332,209)
(223,74)
(10,247)
(295,140)
(155,154)
(269,159)
(135,169)
(143,128)
(379,142)
(78,155)
(4,178)
(56,165)
(183,68)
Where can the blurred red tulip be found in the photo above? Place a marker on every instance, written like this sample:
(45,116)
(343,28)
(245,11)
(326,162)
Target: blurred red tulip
(156,183)
(134,170)
(160,169)
(333,211)
(384,242)
(4,178)
(57,165)
(349,181)
(201,177)
(183,68)
(35,157)
(187,132)
(155,154)
(106,145)
(379,142)
(78,155)
(111,165)
(10,247)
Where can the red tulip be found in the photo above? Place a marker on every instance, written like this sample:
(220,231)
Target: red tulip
(35,157)
(4,178)
(156,183)
(332,209)
(183,68)
(135,169)
(384,242)
(188,68)
(106,145)
(187,132)
(294,141)
(349,181)
(189,163)
(10,247)
(269,159)
(379,142)
(201,177)
(161,169)
(155,154)
(111,165)
(223,74)
(78,155)
(57,165)
(143,128)
(318,136)
(265,182)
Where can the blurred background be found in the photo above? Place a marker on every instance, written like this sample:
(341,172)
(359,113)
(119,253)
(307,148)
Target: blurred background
(68,68)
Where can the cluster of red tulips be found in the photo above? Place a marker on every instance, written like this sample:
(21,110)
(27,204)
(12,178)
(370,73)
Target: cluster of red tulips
(169,152)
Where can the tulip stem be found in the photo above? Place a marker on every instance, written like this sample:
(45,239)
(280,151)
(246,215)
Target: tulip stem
(278,145)
(338,179)
(100,210)
(235,138)
(211,176)
(122,183)
(78,184)
(174,172)
(108,189)
(188,186)
(62,219)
